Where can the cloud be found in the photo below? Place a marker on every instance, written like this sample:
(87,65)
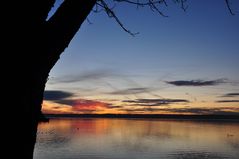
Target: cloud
(215,111)
(231,95)
(193,110)
(227,101)
(53,95)
(131,91)
(155,102)
(142,110)
(58,101)
(69,102)
(83,104)
(221,111)
(86,105)
(85,76)
(196,82)
(50,107)
(90,106)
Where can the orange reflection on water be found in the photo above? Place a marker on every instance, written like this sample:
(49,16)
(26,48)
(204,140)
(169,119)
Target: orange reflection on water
(90,126)
(144,127)
(127,138)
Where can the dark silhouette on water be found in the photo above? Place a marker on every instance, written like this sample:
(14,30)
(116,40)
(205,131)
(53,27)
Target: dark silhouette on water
(31,45)
(43,118)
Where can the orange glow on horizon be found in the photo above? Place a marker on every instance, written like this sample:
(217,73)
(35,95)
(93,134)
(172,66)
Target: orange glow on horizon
(88,105)
(83,106)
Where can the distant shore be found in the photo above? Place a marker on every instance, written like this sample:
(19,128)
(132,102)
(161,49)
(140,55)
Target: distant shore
(150,116)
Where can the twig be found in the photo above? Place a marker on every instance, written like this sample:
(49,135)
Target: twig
(229,7)
(111,14)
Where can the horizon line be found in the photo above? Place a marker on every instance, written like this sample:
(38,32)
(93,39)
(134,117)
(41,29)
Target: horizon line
(162,116)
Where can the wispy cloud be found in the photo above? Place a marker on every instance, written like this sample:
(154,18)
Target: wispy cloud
(227,101)
(131,91)
(85,104)
(69,102)
(195,110)
(221,111)
(196,82)
(53,95)
(84,76)
(231,95)
(155,102)
(141,110)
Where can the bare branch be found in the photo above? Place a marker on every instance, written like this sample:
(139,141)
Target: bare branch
(229,7)
(112,14)
(182,3)
(141,3)
(88,20)
(183,6)
(165,3)
(151,3)
(154,7)
(97,9)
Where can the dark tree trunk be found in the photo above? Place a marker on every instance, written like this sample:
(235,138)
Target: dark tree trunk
(33,47)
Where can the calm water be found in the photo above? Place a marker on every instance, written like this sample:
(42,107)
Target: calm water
(136,139)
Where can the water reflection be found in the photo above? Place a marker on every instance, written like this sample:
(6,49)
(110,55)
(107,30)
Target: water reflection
(136,139)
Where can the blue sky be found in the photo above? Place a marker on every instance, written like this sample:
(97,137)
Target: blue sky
(201,44)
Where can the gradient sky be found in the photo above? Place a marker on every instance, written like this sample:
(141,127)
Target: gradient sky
(186,63)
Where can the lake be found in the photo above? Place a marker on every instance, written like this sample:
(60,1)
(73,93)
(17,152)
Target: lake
(106,138)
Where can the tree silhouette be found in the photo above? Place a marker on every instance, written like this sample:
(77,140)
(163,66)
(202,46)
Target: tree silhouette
(31,45)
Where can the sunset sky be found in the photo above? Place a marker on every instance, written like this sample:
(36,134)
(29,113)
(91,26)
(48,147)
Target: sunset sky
(186,63)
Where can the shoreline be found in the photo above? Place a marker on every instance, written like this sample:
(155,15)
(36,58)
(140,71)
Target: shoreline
(231,118)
